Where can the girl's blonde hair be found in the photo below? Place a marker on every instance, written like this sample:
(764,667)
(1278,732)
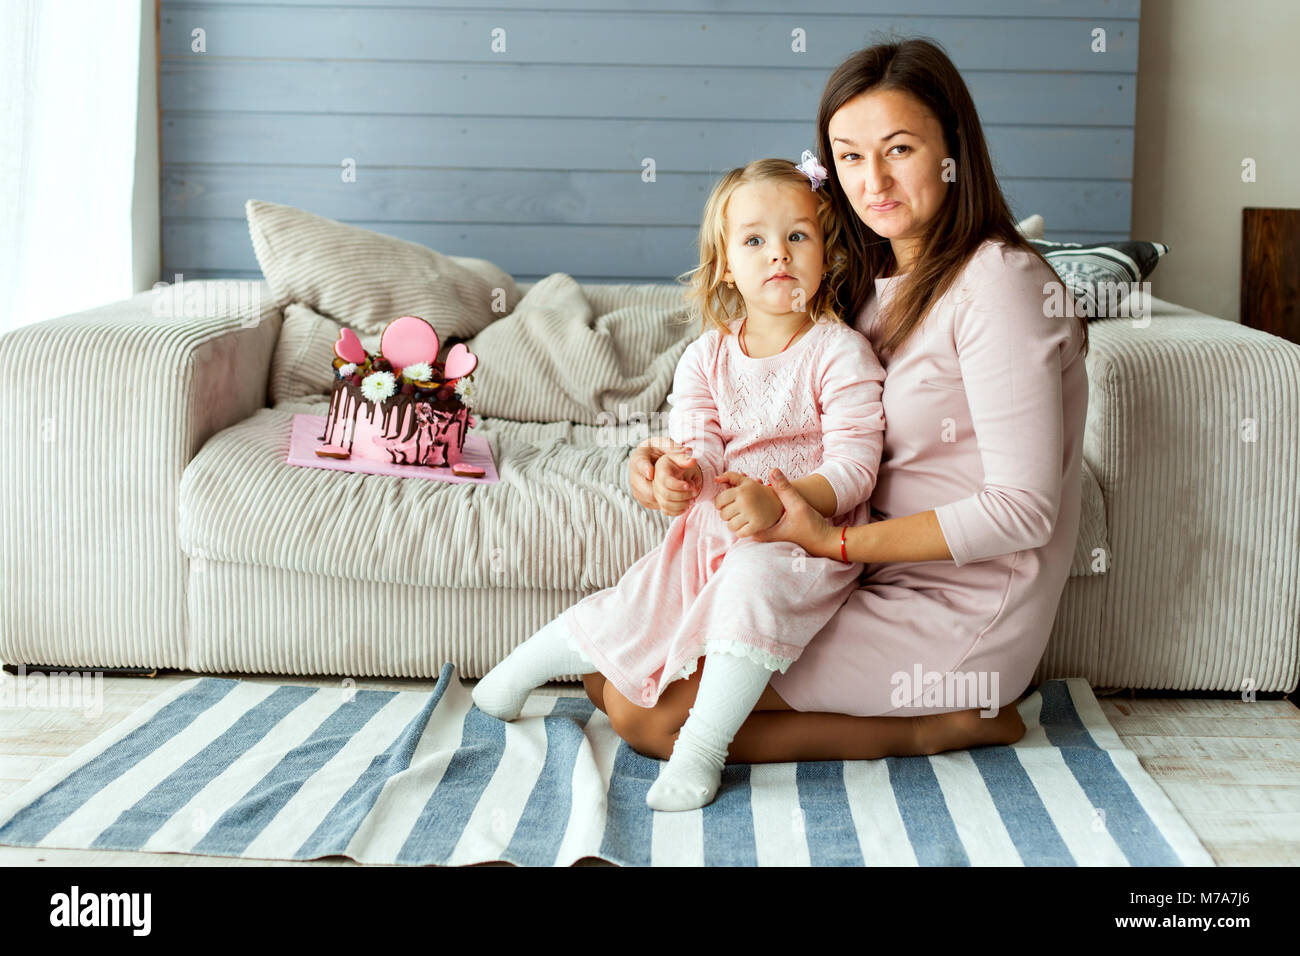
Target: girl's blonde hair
(717,303)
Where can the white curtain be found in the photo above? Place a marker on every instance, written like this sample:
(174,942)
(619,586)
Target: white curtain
(69,85)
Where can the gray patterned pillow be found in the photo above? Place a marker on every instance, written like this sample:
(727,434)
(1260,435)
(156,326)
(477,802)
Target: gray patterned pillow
(1102,275)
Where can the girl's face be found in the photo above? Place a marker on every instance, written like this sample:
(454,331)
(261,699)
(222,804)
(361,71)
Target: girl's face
(772,232)
(887,147)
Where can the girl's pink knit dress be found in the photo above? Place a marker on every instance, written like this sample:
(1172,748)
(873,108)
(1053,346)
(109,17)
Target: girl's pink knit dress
(813,408)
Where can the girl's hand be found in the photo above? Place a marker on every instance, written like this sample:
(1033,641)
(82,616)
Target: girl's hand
(748,506)
(677,482)
(802,523)
(641,468)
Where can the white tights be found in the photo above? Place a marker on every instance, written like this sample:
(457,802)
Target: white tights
(730,686)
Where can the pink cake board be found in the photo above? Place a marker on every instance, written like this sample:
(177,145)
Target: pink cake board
(305,437)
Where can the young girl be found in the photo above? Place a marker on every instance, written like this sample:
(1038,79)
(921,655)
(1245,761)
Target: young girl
(776,380)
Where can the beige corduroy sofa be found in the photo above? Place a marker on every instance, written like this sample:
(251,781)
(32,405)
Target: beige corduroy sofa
(149,517)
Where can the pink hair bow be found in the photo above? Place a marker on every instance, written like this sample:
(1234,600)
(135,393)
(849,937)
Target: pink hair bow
(814,170)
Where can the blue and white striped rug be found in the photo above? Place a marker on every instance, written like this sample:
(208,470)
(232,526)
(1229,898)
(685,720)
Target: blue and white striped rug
(277,771)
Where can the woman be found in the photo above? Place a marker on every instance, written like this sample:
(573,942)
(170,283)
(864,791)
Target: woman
(976,506)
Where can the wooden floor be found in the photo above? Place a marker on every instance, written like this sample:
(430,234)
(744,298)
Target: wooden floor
(1232,768)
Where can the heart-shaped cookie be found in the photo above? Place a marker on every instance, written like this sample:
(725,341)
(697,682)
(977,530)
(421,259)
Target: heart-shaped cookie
(460,361)
(349,347)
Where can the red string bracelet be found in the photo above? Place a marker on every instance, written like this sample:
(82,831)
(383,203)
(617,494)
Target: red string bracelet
(843,554)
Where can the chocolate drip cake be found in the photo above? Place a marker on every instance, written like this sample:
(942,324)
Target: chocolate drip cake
(403,405)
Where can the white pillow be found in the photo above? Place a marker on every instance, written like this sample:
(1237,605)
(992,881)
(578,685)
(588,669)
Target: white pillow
(365,279)
(302,365)
(1031,228)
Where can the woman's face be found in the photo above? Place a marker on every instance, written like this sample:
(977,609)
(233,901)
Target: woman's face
(876,163)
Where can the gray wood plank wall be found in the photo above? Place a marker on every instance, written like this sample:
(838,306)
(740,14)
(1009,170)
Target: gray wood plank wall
(532,156)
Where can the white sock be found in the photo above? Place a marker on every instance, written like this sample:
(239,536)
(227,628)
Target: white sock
(729,688)
(548,653)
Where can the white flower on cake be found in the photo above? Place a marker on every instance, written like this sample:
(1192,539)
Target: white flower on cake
(419,372)
(464,390)
(378,386)
(347,369)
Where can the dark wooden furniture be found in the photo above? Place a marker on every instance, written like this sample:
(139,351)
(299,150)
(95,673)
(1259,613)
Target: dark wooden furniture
(1270,271)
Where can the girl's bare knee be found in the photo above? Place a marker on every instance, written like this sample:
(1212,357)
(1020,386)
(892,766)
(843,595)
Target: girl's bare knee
(594,685)
(645,729)
(622,712)
(637,728)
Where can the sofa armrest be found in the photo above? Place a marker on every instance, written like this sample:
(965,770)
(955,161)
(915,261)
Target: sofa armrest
(1192,434)
(103,409)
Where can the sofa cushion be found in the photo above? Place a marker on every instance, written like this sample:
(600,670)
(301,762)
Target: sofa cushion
(303,363)
(560,356)
(365,279)
(1092,530)
(560,517)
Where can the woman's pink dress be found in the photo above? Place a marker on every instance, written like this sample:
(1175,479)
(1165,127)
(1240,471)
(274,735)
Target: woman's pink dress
(985,407)
(813,408)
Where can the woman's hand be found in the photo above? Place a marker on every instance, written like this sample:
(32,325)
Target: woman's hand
(802,523)
(641,468)
(747,506)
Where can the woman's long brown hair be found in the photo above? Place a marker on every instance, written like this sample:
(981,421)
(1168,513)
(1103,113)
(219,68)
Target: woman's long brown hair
(974,211)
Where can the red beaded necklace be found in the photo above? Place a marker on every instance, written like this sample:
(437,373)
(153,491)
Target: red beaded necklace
(741,336)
